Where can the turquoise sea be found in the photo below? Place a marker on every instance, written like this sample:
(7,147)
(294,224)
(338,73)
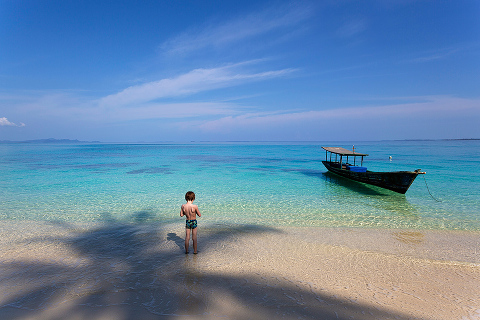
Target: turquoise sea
(239,183)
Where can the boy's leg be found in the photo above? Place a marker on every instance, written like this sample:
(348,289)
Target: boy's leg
(194,237)
(187,239)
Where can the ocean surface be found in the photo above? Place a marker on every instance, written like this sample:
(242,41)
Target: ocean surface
(269,184)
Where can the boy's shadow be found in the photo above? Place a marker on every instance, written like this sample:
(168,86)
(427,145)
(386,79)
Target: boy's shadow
(179,241)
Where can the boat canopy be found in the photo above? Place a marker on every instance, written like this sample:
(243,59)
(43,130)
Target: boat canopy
(344,152)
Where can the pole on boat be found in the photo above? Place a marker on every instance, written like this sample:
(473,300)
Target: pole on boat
(354,158)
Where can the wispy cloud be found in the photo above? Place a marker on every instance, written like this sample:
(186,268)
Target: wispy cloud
(238,29)
(435,56)
(153,111)
(442,53)
(195,81)
(352,27)
(4,122)
(426,108)
(144,101)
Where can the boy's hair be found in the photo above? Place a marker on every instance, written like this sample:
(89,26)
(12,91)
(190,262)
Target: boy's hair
(190,196)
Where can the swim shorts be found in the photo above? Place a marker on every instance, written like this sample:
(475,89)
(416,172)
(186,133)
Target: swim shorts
(191,224)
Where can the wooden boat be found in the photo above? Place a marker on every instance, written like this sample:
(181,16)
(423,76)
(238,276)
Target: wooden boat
(398,181)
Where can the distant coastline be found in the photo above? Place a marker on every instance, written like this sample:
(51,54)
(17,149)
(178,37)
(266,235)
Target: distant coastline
(462,139)
(50,140)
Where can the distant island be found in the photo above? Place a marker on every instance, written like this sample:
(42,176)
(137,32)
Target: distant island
(50,140)
(462,139)
(458,139)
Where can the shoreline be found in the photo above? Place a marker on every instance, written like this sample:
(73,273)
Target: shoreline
(126,271)
(454,246)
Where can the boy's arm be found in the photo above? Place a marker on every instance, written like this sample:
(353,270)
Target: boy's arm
(181,212)
(198,211)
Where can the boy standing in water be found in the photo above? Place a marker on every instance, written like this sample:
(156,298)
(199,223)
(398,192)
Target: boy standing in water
(190,211)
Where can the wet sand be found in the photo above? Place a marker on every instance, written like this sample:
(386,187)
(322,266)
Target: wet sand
(126,271)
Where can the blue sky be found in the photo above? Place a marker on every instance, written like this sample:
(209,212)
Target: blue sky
(151,71)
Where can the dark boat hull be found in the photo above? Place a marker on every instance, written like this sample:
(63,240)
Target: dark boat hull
(398,181)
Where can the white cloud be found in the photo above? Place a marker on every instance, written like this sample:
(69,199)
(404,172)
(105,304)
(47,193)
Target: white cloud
(192,82)
(439,55)
(172,111)
(4,122)
(443,53)
(239,29)
(352,27)
(426,108)
(140,102)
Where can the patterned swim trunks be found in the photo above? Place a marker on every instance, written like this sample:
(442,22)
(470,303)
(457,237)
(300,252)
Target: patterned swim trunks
(191,224)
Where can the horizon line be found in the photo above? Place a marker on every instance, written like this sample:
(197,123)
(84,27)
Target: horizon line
(73,141)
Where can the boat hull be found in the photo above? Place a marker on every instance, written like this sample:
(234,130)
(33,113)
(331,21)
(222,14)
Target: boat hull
(398,181)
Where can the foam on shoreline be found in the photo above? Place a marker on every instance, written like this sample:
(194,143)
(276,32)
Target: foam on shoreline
(124,271)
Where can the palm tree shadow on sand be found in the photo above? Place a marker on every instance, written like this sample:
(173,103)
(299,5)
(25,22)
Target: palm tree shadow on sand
(139,271)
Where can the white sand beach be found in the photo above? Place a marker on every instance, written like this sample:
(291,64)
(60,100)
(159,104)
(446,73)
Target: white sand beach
(126,271)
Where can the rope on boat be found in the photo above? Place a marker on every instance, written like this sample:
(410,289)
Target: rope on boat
(429,190)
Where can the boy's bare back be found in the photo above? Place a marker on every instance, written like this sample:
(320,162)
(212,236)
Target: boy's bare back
(190,211)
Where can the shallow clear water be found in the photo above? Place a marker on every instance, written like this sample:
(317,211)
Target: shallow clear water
(252,183)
